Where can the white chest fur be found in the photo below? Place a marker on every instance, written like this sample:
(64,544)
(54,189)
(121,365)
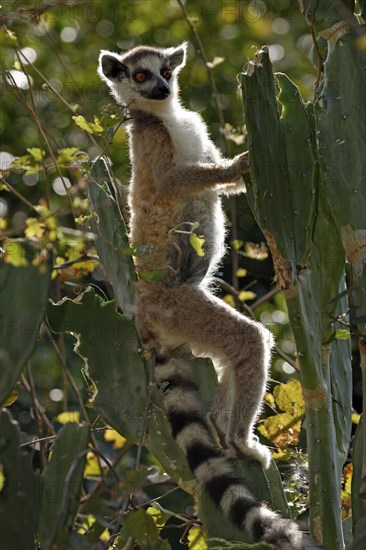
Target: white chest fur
(189,135)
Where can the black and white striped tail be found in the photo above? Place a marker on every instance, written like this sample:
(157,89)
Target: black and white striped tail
(211,468)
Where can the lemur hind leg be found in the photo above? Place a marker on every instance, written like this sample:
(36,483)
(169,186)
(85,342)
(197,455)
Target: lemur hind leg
(189,315)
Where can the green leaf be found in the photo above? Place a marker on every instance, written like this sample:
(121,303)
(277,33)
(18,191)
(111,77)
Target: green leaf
(160,518)
(70,155)
(37,153)
(141,527)
(151,276)
(90,127)
(197,243)
(342,334)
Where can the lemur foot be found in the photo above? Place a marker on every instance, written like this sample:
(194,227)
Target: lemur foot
(251,449)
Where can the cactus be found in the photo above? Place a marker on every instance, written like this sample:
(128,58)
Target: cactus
(109,343)
(120,391)
(61,486)
(111,234)
(19,496)
(309,269)
(340,118)
(23,298)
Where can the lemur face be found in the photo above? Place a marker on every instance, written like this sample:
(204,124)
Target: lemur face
(142,74)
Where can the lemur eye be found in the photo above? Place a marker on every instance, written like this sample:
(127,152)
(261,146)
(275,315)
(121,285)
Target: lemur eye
(140,77)
(167,73)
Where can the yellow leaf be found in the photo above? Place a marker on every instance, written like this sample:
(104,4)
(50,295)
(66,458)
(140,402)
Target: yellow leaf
(236,244)
(347,475)
(289,395)
(197,538)
(105,535)
(92,468)
(268,398)
(229,299)
(3,224)
(245,295)
(356,418)
(160,518)
(241,272)
(90,127)
(118,439)
(86,524)
(197,243)
(69,416)
(35,228)
(37,153)
(282,429)
(14,254)
(11,398)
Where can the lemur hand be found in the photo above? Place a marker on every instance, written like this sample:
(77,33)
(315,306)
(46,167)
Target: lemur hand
(240,164)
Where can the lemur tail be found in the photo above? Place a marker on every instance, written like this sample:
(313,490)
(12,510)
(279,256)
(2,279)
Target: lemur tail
(212,469)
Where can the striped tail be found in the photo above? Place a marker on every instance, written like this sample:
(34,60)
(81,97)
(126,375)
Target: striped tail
(211,467)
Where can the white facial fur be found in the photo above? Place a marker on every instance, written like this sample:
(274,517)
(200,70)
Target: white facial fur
(128,92)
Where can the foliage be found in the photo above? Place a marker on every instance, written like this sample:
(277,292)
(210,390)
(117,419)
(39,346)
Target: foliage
(90,462)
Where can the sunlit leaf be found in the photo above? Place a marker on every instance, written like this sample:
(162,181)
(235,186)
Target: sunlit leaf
(37,153)
(11,399)
(117,439)
(160,518)
(229,300)
(341,334)
(245,295)
(241,272)
(197,243)
(14,254)
(197,538)
(90,127)
(347,475)
(70,416)
(289,395)
(151,276)
(236,244)
(35,228)
(92,467)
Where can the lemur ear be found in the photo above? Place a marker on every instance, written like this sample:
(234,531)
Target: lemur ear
(177,58)
(110,67)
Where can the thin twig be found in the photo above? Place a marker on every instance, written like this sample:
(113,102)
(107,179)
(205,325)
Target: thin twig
(17,194)
(147,411)
(319,56)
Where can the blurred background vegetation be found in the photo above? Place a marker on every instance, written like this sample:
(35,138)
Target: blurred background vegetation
(49,59)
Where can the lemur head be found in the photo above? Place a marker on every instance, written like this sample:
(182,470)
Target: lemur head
(144,77)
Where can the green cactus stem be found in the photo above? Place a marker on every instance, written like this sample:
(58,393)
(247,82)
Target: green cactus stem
(111,234)
(309,263)
(61,485)
(20,493)
(23,298)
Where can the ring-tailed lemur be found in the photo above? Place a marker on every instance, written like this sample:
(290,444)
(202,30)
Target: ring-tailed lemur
(177,177)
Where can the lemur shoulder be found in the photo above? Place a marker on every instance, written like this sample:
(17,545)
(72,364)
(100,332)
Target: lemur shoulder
(178,175)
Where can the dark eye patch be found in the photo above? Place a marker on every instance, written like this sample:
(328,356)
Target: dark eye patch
(166,73)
